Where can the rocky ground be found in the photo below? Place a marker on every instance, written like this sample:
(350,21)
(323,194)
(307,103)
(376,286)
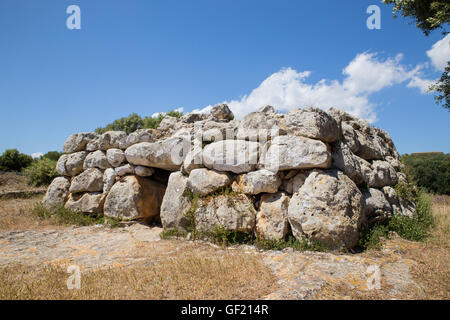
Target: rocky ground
(300,275)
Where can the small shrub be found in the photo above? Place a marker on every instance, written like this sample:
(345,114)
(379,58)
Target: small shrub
(41,172)
(289,242)
(370,238)
(418,227)
(172,233)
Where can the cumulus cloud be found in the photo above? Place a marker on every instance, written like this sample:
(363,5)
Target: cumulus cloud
(364,75)
(439,54)
(37,155)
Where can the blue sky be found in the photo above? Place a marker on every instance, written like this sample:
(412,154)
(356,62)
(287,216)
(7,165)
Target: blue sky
(148,56)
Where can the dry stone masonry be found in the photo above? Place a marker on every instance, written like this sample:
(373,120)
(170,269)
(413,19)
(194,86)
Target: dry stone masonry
(320,176)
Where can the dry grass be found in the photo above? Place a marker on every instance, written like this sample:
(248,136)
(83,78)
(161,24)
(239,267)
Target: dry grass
(13,181)
(429,267)
(16,214)
(190,275)
(432,270)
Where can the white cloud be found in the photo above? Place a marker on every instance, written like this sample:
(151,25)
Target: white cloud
(422,84)
(365,74)
(440,53)
(37,155)
(156,115)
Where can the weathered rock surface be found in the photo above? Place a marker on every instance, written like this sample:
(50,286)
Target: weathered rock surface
(90,180)
(272,218)
(222,112)
(175,204)
(57,192)
(109,178)
(292,152)
(312,123)
(85,203)
(376,207)
(256,182)
(77,142)
(328,209)
(74,163)
(144,171)
(235,156)
(108,140)
(229,212)
(124,170)
(292,184)
(167,154)
(204,181)
(115,157)
(140,135)
(134,197)
(61,165)
(96,159)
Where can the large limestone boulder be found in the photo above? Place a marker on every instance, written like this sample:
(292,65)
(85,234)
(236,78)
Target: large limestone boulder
(57,193)
(192,117)
(175,204)
(85,203)
(204,181)
(272,218)
(213,131)
(381,174)
(255,182)
(96,159)
(230,212)
(108,140)
(221,112)
(259,126)
(90,180)
(347,162)
(376,207)
(167,154)
(292,152)
(77,142)
(140,135)
(235,156)
(312,123)
(74,163)
(292,184)
(115,157)
(328,208)
(61,165)
(134,197)
(168,123)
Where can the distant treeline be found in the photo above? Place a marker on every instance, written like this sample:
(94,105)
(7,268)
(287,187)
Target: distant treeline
(430,171)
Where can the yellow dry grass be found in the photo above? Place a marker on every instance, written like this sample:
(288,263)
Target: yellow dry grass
(190,275)
(17,214)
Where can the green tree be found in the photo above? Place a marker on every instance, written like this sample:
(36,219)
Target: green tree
(428,15)
(13,160)
(134,122)
(429,171)
(52,155)
(443,86)
(128,124)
